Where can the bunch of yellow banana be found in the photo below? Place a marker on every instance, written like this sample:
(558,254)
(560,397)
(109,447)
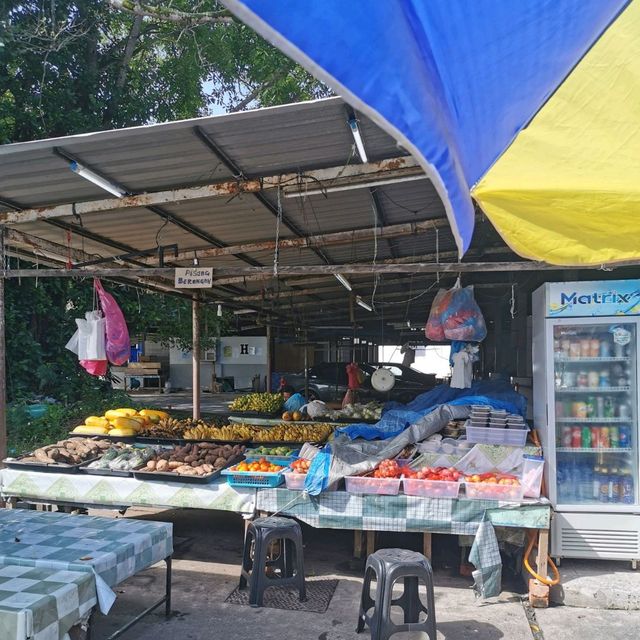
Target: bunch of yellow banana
(229,432)
(262,402)
(294,432)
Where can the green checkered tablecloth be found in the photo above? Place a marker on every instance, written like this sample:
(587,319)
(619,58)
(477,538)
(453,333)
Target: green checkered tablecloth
(342,510)
(43,604)
(112,549)
(86,489)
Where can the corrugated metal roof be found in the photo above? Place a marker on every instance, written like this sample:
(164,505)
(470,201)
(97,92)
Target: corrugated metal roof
(285,139)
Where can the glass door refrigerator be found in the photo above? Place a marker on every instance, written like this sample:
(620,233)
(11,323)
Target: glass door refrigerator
(585,368)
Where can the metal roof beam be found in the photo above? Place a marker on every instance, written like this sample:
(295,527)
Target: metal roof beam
(324,239)
(354,175)
(237,171)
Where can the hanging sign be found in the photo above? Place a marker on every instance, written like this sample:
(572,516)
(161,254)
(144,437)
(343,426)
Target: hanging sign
(194,278)
(603,298)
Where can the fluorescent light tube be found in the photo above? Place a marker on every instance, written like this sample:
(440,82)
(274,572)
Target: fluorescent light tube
(363,304)
(348,187)
(353,123)
(89,175)
(343,281)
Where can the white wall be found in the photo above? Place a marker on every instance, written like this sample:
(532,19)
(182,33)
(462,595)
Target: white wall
(430,359)
(231,361)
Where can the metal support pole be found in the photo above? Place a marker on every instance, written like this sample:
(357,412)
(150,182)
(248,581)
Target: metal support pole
(306,370)
(195,357)
(3,359)
(269,358)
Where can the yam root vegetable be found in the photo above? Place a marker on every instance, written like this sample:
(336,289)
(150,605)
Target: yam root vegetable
(189,459)
(175,464)
(207,468)
(162,465)
(220,462)
(151,465)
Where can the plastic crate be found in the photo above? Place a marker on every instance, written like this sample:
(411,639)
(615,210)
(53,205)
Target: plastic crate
(369,484)
(430,488)
(295,481)
(489,491)
(254,453)
(253,478)
(487,435)
(283,461)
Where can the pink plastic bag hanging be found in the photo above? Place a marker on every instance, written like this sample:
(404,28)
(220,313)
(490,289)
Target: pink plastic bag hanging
(118,344)
(94,367)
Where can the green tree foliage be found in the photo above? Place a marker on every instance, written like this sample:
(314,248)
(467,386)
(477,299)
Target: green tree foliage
(84,65)
(75,66)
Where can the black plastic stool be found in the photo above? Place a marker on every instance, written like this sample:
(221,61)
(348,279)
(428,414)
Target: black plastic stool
(389,566)
(289,561)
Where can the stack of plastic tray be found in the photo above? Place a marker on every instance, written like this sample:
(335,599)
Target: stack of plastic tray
(430,488)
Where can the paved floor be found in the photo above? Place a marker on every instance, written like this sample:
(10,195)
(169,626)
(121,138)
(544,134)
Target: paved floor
(182,401)
(206,571)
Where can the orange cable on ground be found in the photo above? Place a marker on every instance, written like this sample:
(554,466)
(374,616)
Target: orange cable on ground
(547,581)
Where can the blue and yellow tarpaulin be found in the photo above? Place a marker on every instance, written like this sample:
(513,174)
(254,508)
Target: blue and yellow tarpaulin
(530,107)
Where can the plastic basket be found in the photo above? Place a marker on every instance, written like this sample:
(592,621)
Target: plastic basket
(369,484)
(430,488)
(253,478)
(283,461)
(254,453)
(532,471)
(295,481)
(487,435)
(489,491)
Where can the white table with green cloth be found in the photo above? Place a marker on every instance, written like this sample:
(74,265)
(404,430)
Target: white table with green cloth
(37,603)
(107,550)
(331,509)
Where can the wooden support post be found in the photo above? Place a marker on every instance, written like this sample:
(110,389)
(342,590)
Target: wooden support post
(195,357)
(426,545)
(3,359)
(538,592)
(371,542)
(269,358)
(357,543)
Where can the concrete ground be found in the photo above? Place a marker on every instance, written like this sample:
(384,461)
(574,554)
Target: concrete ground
(206,569)
(182,401)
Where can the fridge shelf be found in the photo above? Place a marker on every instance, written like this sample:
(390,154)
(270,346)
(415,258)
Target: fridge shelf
(592,389)
(593,420)
(593,450)
(598,359)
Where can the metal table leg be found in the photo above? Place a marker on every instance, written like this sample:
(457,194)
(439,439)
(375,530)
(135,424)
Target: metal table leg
(166,599)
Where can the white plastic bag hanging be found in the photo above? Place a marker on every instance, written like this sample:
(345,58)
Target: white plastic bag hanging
(88,342)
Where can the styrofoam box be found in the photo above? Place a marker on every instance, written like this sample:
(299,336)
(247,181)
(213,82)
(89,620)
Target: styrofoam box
(487,435)
(487,491)
(369,484)
(430,488)
(295,481)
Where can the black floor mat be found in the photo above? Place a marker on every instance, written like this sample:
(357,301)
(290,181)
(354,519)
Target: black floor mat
(319,594)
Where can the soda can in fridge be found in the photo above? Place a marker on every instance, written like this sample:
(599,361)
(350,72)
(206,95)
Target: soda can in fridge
(576,437)
(586,437)
(609,407)
(603,492)
(614,485)
(626,488)
(591,407)
(605,442)
(566,437)
(600,407)
(624,437)
(595,437)
(614,437)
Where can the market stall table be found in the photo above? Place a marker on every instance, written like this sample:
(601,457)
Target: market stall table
(109,549)
(400,513)
(38,603)
(112,491)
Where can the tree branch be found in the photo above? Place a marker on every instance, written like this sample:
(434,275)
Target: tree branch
(134,34)
(250,97)
(171,15)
